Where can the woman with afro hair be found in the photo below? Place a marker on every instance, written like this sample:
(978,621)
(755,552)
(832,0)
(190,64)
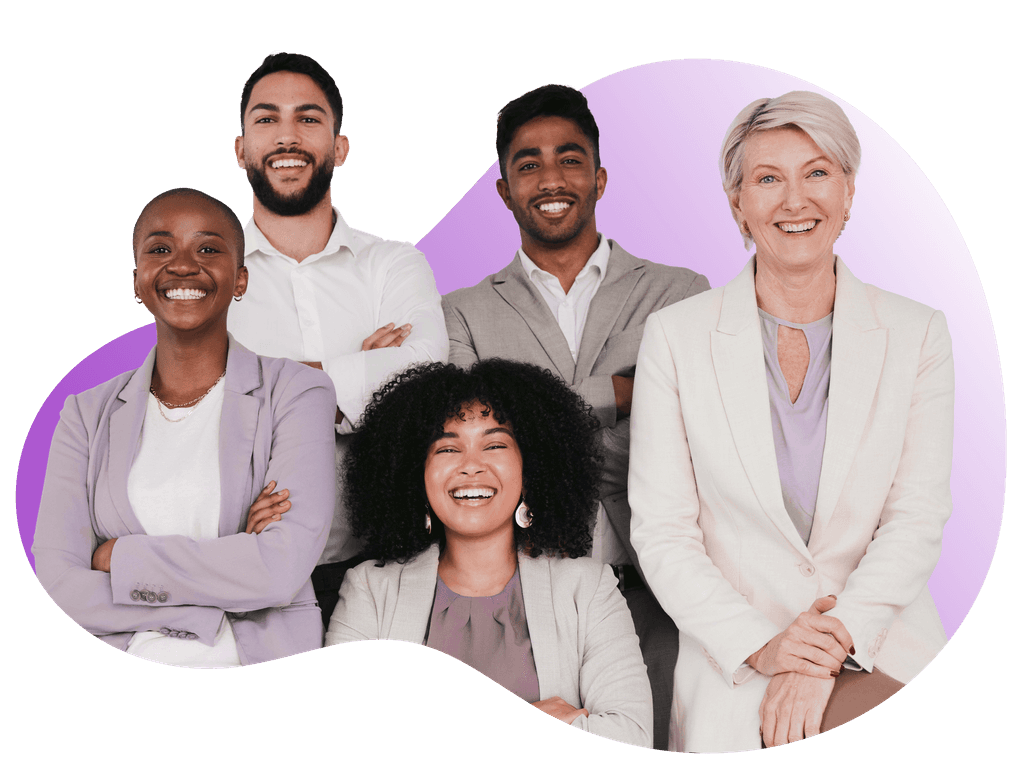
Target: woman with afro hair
(475,492)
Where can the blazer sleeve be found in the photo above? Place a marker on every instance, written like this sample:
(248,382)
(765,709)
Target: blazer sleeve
(906,545)
(65,540)
(461,350)
(355,615)
(245,572)
(665,525)
(614,687)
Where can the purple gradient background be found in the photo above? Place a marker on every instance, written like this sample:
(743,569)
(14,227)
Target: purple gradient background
(661,128)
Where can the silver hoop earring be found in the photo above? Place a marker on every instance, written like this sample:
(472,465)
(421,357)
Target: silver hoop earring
(238,298)
(524,518)
(137,299)
(428,522)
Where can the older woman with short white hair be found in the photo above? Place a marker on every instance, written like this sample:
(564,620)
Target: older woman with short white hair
(791,441)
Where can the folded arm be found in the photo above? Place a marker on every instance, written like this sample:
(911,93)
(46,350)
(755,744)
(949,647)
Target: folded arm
(614,688)
(409,297)
(65,540)
(244,572)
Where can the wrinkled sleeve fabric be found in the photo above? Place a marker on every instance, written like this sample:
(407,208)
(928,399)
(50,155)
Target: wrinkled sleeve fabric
(405,285)
(614,687)
(461,349)
(355,615)
(65,539)
(665,527)
(244,572)
(906,545)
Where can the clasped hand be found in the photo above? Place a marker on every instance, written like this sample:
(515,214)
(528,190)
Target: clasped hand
(813,645)
(267,508)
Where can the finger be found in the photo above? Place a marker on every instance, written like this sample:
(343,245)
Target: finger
(264,523)
(571,716)
(265,515)
(824,604)
(266,502)
(369,341)
(830,625)
(768,722)
(388,340)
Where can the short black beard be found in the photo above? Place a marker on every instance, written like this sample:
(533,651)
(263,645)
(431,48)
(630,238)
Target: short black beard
(540,235)
(295,205)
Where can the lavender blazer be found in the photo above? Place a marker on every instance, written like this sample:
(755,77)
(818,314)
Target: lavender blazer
(277,423)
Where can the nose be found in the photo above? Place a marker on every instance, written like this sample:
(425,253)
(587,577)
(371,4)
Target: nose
(286,136)
(182,263)
(471,464)
(796,196)
(552,178)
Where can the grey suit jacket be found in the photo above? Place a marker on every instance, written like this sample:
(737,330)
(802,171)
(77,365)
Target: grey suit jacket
(505,316)
(584,645)
(276,424)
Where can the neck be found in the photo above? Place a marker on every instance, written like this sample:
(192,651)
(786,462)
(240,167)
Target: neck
(477,567)
(188,364)
(297,236)
(799,296)
(563,260)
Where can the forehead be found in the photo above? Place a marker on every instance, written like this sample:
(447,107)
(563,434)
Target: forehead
(285,89)
(473,416)
(781,146)
(548,132)
(183,215)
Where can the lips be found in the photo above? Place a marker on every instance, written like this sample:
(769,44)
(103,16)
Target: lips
(184,294)
(472,493)
(284,160)
(795,228)
(554,207)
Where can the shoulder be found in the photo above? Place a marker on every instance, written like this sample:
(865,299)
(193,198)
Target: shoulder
(679,278)
(286,380)
(699,311)
(96,403)
(381,252)
(901,315)
(581,574)
(473,294)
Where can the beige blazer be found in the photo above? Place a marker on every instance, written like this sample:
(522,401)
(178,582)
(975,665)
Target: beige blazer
(583,641)
(709,523)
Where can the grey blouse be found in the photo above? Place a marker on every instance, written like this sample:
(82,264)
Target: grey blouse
(799,428)
(487,633)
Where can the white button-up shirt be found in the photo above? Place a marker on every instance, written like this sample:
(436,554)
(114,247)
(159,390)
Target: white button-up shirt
(570,312)
(322,308)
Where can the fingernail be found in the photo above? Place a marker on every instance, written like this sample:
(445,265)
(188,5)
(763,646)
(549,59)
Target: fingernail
(833,597)
(406,333)
(853,651)
(833,673)
(407,327)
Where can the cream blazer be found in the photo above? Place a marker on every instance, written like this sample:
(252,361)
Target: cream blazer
(584,645)
(709,524)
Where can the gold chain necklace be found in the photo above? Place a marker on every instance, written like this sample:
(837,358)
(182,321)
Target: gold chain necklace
(160,404)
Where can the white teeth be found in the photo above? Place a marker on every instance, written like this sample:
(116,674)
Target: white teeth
(553,207)
(288,164)
(804,227)
(184,293)
(473,493)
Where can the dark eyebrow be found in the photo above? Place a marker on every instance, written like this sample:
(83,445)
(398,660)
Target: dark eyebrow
(310,107)
(492,430)
(204,233)
(526,152)
(264,106)
(571,146)
(160,233)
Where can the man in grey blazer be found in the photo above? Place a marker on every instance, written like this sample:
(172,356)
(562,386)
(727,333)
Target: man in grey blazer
(575,302)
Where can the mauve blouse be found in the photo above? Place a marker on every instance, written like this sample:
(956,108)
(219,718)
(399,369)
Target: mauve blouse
(799,428)
(487,633)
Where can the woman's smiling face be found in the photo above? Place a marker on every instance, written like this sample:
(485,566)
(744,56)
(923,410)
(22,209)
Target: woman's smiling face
(793,198)
(474,474)
(186,263)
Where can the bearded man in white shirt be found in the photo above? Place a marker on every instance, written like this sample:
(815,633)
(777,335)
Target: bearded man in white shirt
(353,305)
(575,302)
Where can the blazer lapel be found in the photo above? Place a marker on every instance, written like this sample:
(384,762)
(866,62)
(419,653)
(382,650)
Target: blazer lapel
(535,577)
(513,285)
(416,585)
(125,434)
(858,354)
(238,421)
(737,352)
(624,272)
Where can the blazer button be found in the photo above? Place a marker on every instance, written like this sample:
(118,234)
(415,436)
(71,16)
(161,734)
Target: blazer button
(135,595)
(151,597)
(192,636)
(238,615)
(807,569)
(162,597)
(173,633)
(164,631)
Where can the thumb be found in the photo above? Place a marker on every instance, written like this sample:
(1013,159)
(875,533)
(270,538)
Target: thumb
(823,604)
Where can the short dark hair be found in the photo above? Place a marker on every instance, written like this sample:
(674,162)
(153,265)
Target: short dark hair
(546,101)
(302,65)
(236,225)
(553,426)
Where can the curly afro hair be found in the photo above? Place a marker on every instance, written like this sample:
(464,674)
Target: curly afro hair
(555,430)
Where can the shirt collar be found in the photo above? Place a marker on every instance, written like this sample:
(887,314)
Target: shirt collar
(598,258)
(341,237)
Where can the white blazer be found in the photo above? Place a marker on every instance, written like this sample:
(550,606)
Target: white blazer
(584,645)
(709,524)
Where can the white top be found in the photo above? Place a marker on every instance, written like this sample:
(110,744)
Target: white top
(570,312)
(174,489)
(323,308)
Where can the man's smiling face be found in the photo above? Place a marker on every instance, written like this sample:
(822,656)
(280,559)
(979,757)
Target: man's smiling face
(552,185)
(289,148)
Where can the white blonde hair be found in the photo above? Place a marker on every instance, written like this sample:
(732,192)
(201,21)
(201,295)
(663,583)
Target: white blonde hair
(819,117)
